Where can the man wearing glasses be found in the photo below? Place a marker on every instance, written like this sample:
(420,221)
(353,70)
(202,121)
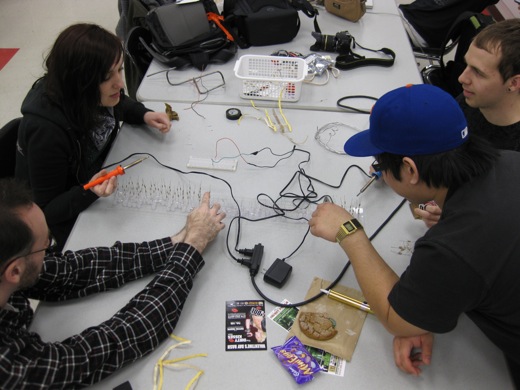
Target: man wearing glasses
(469,261)
(27,271)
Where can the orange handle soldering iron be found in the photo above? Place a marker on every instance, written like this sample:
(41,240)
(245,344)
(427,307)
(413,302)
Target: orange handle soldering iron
(116,172)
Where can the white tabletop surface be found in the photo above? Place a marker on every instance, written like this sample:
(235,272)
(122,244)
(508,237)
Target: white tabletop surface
(378,28)
(462,359)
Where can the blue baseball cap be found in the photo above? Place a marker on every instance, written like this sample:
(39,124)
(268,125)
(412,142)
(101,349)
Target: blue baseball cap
(409,121)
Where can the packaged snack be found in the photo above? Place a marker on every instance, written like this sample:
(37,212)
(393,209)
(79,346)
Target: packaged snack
(297,360)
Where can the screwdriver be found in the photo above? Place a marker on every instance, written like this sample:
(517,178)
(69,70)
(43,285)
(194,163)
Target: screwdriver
(375,175)
(119,170)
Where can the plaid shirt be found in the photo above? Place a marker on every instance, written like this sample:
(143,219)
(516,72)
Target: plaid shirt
(28,362)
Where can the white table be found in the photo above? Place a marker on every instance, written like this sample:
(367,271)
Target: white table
(378,28)
(462,359)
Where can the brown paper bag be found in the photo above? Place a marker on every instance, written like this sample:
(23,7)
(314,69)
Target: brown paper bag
(351,10)
(349,320)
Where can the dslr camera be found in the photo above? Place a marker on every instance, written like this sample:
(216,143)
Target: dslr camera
(340,43)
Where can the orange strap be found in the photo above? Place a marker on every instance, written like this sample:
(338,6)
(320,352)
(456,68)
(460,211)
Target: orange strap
(212,16)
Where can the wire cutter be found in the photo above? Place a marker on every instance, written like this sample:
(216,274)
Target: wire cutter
(119,170)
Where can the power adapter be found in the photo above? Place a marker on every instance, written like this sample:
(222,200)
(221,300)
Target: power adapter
(278,273)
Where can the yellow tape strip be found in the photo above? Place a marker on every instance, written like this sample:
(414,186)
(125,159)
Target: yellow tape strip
(158,372)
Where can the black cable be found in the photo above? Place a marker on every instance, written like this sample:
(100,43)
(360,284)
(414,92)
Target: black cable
(282,213)
(339,103)
(188,173)
(283,156)
(345,268)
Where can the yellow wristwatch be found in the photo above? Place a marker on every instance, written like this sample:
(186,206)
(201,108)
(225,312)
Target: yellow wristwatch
(349,227)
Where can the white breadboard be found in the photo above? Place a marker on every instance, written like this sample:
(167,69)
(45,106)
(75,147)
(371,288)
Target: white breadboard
(208,163)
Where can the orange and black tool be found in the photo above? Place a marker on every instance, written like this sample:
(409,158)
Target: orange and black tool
(116,172)
(218,19)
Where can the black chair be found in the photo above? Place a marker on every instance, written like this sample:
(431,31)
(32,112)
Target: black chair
(8,138)
(434,54)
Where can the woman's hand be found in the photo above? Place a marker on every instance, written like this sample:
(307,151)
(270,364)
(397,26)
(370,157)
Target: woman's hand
(106,188)
(159,120)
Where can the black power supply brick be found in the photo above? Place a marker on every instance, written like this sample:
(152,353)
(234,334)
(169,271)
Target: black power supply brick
(278,273)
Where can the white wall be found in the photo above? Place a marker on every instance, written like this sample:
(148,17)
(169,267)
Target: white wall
(508,9)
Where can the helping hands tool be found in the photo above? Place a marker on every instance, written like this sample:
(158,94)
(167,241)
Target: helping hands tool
(375,176)
(119,170)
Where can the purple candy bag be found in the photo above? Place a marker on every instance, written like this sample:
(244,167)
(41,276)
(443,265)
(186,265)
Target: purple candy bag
(297,360)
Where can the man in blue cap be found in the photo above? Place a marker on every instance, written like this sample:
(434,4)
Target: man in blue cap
(469,261)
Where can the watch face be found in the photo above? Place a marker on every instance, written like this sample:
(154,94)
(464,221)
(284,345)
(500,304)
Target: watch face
(350,227)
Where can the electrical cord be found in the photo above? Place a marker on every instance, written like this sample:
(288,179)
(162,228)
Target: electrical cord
(188,173)
(345,268)
(239,217)
(309,196)
(339,103)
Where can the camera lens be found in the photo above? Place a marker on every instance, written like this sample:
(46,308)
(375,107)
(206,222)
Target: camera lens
(324,42)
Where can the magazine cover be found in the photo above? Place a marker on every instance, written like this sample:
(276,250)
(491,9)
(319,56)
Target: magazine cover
(245,326)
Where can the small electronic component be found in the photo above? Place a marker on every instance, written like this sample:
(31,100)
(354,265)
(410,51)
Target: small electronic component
(233,114)
(172,115)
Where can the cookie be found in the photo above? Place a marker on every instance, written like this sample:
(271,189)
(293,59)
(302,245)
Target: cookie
(317,326)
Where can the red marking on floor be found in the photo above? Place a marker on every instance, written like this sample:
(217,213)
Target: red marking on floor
(6,55)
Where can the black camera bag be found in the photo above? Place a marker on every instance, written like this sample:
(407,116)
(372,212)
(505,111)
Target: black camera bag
(262,22)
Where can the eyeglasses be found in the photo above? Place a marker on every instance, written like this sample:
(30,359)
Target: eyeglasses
(212,80)
(52,247)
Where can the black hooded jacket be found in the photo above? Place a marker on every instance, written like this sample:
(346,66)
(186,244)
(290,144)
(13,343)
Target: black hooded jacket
(49,158)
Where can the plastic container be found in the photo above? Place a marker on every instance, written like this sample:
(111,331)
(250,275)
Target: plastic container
(270,77)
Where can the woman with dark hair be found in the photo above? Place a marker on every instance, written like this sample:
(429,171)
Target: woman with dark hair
(70,119)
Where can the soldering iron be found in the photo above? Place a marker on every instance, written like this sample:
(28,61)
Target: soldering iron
(375,176)
(119,170)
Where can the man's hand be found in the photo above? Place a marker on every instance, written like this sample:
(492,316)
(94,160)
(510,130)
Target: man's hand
(106,188)
(202,225)
(159,120)
(412,352)
(327,219)
(430,214)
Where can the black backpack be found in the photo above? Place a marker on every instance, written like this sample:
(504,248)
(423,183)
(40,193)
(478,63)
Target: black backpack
(266,22)
(463,30)
(188,34)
